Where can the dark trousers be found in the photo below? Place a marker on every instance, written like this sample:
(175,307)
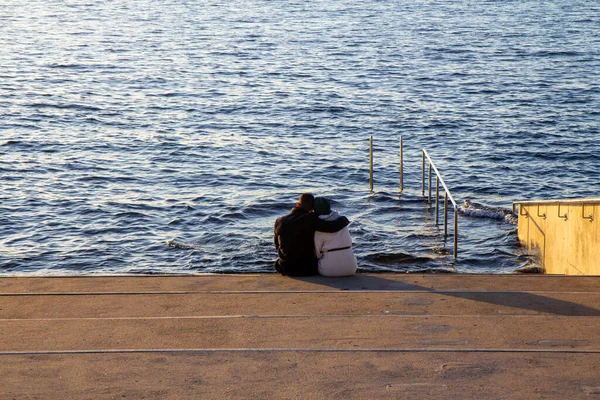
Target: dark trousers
(300,267)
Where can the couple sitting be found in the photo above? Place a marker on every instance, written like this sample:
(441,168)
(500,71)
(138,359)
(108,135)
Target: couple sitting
(312,239)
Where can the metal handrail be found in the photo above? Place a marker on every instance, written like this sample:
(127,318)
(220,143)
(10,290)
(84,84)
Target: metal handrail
(401,188)
(439,179)
(447,195)
(371,163)
(401,166)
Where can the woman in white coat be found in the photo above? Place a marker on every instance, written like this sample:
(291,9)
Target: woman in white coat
(334,250)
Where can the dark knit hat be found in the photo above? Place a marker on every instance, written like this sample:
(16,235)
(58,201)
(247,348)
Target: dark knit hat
(322,206)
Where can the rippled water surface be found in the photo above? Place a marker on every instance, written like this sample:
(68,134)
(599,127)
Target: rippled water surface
(166,136)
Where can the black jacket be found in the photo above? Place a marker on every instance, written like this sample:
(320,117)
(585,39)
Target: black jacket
(295,244)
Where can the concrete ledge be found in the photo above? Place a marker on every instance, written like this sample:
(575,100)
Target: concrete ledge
(274,282)
(267,336)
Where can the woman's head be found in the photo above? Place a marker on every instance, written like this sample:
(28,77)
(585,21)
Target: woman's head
(322,206)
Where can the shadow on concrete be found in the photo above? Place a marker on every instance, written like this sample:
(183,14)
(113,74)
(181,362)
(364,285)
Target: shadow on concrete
(522,300)
(529,301)
(360,282)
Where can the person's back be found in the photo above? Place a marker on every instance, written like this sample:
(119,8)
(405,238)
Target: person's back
(294,238)
(334,250)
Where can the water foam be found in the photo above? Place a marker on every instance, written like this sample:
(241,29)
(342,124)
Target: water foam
(481,211)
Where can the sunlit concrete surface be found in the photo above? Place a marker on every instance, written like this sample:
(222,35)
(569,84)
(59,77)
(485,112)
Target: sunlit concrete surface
(267,336)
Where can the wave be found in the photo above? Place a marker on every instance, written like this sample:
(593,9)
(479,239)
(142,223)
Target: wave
(529,267)
(179,245)
(477,210)
(80,107)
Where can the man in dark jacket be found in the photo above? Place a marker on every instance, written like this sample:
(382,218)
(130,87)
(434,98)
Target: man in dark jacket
(294,238)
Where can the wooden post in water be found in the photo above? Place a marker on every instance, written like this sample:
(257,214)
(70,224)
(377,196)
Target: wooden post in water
(371,163)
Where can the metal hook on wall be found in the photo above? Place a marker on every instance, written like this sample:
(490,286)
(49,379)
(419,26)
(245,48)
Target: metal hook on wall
(522,211)
(538,212)
(566,216)
(590,217)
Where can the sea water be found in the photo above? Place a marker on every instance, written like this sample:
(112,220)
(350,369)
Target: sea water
(167,136)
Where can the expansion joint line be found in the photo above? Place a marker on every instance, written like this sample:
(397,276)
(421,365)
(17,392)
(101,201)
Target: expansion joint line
(308,350)
(264,292)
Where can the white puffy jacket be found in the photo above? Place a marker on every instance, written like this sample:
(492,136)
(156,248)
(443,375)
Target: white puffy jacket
(334,250)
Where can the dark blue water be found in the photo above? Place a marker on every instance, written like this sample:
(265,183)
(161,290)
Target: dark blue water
(125,126)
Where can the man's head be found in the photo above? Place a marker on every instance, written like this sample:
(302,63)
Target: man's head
(306,202)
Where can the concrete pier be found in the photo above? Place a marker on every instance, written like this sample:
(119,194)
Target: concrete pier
(372,336)
(563,235)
